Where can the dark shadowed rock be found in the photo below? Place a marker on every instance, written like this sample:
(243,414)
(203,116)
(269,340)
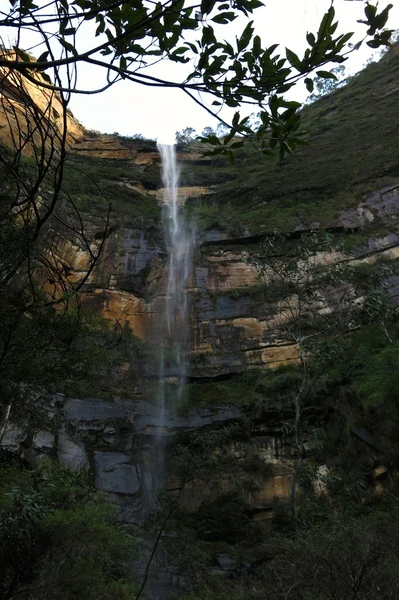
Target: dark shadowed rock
(92,409)
(71,453)
(114,473)
(145,417)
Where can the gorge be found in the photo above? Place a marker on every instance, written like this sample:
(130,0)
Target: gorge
(288,282)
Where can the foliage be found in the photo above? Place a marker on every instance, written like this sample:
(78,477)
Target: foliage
(46,339)
(326,86)
(224,518)
(344,558)
(345,327)
(310,187)
(185,136)
(91,183)
(202,458)
(44,346)
(151,177)
(59,538)
(255,392)
(131,38)
(378,379)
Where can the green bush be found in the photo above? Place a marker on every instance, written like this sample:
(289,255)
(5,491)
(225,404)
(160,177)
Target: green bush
(224,518)
(59,539)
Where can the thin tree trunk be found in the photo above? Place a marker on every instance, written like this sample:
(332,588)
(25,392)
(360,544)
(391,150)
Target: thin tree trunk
(5,419)
(386,332)
(157,540)
(298,462)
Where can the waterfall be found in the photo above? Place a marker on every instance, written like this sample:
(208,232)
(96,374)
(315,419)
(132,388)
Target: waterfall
(179,241)
(171,337)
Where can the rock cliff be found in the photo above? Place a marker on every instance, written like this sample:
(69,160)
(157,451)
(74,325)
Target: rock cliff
(237,330)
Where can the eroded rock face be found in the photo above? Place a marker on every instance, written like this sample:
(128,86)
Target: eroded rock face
(71,453)
(115,473)
(233,330)
(111,440)
(15,114)
(232,327)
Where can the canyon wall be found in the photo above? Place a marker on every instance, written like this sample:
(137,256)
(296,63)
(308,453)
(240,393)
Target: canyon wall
(236,330)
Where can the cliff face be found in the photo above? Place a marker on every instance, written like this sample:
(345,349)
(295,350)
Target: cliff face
(236,329)
(23,103)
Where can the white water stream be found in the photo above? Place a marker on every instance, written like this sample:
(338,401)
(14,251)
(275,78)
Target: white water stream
(179,241)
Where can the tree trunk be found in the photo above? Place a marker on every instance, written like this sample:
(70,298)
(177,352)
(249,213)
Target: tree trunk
(298,461)
(4,419)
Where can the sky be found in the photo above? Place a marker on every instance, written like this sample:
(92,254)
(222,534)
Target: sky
(129,108)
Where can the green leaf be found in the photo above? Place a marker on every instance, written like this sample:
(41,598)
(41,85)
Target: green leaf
(193,47)
(229,137)
(343,39)
(265,118)
(327,75)
(170,17)
(273,142)
(236,145)
(224,17)
(290,104)
(309,84)
(256,46)
(208,36)
(370,11)
(43,57)
(245,38)
(207,6)
(311,39)
(293,59)
(270,50)
(326,22)
(68,47)
(188,24)
(100,28)
(69,31)
(213,140)
(284,88)
(248,5)
(298,141)
(382,18)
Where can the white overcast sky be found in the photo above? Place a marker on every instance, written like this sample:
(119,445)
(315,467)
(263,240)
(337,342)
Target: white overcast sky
(158,113)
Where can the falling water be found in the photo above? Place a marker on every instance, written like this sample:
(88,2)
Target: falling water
(179,241)
(171,338)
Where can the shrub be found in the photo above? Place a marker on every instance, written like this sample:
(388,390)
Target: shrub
(224,518)
(59,539)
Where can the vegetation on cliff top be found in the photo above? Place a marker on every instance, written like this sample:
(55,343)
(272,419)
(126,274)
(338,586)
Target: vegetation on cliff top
(352,151)
(92,183)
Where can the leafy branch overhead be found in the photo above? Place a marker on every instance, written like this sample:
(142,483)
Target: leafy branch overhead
(130,37)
